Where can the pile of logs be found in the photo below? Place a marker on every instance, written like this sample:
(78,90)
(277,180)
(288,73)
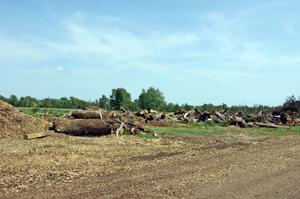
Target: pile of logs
(267,120)
(97,122)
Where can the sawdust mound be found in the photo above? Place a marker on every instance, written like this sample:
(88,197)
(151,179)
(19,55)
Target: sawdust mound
(14,123)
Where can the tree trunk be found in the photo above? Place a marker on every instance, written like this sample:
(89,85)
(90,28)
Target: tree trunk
(89,114)
(220,116)
(269,125)
(236,120)
(91,127)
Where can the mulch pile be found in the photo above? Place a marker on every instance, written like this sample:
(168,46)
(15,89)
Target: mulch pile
(14,123)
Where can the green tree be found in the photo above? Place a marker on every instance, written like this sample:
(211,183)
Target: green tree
(152,98)
(13,100)
(120,98)
(171,107)
(104,102)
(3,98)
(291,105)
(78,103)
(187,107)
(64,102)
(28,102)
(134,106)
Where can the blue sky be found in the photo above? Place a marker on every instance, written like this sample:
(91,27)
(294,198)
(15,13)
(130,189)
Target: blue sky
(195,51)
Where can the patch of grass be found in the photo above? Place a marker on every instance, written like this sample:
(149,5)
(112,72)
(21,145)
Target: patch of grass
(37,112)
(189,131)
(273,132)
(296,129)
(201,129)
(206,124)
(202,124)
(267,132)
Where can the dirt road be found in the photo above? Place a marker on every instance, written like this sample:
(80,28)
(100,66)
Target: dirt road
(187,167)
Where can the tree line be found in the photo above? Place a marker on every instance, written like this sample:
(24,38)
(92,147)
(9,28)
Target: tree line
(120,98)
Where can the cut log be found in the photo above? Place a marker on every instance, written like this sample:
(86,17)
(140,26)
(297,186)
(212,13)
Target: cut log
(220,116)
(204,116)
(91,108)
(186,115)
(35,135)
(92,127)
(89,114)
(238,121)
(269,125)
(197,111)
(179,112)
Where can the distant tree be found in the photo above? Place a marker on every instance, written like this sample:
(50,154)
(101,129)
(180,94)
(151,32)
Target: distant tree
(3,98)
(104,102)
(46,103)
(171,107)
(291,105)
(134,106)
(187,106)
(78,103)
(64,102)
(224,106)
(298,103)
(28,102)
(120,98)
(152,98)
(13,100)
(208,107)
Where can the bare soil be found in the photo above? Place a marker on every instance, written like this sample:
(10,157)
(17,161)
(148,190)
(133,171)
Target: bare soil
(182,166)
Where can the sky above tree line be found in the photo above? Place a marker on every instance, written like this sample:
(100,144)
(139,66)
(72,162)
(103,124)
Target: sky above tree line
(196,51)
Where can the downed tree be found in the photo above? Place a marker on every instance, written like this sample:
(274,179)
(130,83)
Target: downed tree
(238,121)
(220,116)
(78,127)
(269,125)
(87,114)
(103,122)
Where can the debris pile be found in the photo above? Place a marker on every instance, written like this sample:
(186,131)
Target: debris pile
(150,115)
(14,123)
(98,122)
(277,119)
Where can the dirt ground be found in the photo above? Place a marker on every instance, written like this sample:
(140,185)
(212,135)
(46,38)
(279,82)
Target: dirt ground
(181,166)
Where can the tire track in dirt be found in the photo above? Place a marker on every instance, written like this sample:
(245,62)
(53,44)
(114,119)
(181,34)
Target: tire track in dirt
(269,169)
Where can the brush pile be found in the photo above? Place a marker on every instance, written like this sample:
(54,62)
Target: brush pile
(277,119)
(93,122)
(96,122)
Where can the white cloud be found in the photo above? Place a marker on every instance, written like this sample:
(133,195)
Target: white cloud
(217,46)
(16,51)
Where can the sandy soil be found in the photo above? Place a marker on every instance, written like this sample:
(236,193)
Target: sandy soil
(231,166)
